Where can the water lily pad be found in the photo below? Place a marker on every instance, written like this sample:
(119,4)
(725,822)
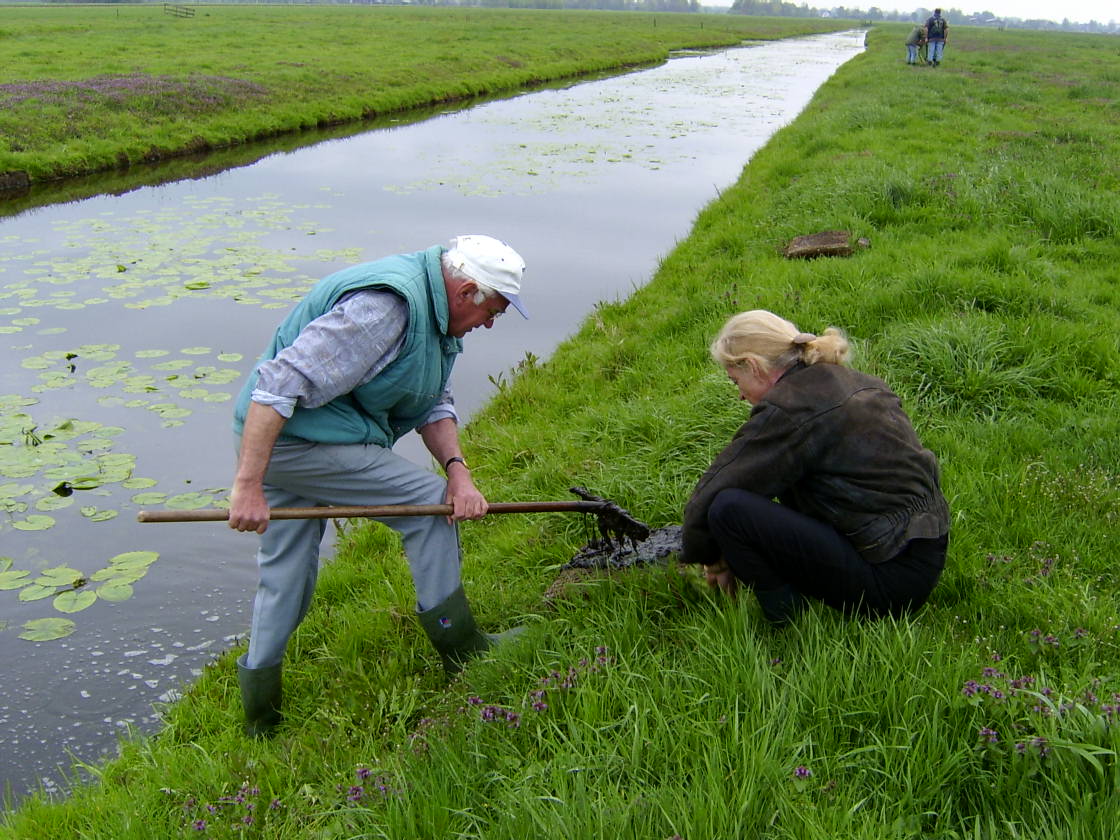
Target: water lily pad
(135,559)
(86,482)
(138,483)
(35,522)
(14,579)
(58,576)
(53,502)
(94,444)
(115,591)
(36,592)
(169,410)
(12,490)
(47,629)
(153,498)
(187,501)
(8,401)
(95,514)
(75,600)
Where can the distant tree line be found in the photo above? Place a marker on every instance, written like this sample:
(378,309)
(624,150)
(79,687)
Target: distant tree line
(778,8)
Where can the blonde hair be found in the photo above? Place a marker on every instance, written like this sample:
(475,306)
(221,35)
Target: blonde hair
(775,343)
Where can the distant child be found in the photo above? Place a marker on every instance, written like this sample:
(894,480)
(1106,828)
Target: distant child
(914,42)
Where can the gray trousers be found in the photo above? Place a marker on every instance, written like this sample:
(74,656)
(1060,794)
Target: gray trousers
(309,474)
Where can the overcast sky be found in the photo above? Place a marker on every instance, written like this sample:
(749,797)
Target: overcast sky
(1078,11)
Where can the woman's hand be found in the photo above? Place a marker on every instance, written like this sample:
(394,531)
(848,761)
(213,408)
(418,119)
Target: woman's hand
(720,574)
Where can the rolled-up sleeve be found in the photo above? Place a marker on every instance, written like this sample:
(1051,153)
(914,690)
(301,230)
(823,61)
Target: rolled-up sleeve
(443,409)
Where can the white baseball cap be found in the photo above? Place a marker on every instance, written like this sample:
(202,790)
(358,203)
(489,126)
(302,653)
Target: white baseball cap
(492,263)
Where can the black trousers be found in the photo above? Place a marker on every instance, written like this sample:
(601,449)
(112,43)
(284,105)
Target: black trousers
(768,546)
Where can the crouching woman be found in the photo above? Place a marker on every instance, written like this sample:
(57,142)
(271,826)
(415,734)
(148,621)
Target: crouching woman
(825,492)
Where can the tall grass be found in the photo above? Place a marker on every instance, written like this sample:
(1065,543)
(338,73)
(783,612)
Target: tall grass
(88,88)
(643,706)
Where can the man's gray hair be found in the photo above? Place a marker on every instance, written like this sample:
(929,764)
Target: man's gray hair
(484,292)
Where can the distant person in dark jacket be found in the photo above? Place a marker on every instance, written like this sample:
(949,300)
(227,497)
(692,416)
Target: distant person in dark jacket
(825,491)
(937,33)
(915,41)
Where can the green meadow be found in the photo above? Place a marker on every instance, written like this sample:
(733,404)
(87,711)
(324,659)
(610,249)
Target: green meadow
(642,705)
(89,88)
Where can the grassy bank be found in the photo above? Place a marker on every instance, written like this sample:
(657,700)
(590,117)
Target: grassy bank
(642,706)
(87,88)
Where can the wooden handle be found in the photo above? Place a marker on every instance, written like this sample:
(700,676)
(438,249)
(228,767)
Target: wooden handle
(368,511)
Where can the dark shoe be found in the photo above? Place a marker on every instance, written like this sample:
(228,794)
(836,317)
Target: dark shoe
(261,694)
(450,627)
(779,606)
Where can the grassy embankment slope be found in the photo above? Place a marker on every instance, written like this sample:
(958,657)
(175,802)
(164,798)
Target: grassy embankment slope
(644,707)
(87,88)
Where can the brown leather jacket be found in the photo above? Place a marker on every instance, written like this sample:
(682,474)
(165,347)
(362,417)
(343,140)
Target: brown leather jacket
(836,445)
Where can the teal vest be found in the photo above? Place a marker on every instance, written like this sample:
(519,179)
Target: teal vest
(402,395)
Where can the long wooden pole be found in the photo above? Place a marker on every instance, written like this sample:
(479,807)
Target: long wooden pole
(371,511)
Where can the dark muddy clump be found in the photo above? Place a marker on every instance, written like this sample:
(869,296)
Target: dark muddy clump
(616,525)
(605,553)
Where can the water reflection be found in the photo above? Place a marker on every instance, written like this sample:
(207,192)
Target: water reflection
(161,289)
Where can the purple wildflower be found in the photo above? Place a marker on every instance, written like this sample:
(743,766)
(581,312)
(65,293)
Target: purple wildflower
(802,772)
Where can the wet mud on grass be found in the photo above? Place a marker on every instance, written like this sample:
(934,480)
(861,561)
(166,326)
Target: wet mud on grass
(604,556)
(606,553)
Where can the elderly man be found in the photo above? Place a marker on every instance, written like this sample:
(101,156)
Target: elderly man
(361,360)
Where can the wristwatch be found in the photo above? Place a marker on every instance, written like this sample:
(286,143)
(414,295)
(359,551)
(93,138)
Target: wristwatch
(452,460)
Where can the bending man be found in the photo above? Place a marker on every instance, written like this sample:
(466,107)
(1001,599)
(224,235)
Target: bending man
(364,358)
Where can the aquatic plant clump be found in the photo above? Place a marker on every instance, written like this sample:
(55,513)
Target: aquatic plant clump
(163,95)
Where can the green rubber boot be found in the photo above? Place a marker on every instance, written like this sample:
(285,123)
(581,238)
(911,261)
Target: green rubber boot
(261,693)
(453,633)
